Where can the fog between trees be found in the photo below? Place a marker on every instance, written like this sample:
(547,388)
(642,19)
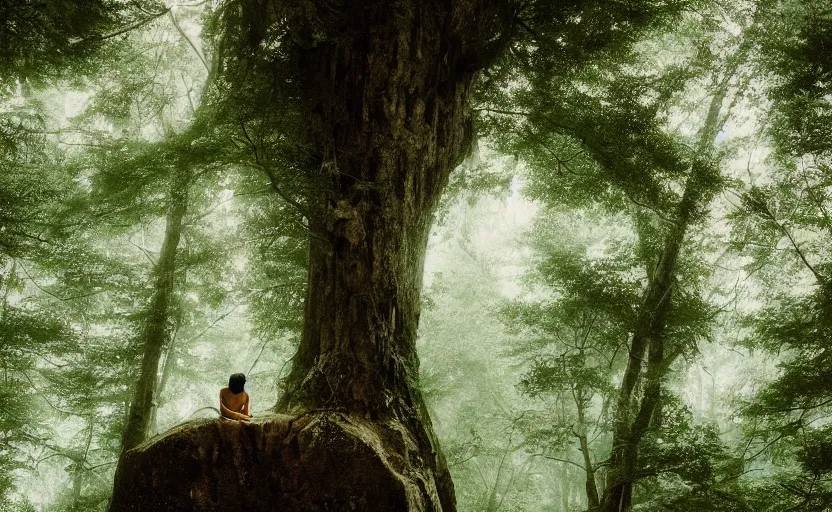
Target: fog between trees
(576,253)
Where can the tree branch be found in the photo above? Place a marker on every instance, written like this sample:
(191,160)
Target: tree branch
(781,226)
(272,178)
(44,290)
(559,460)
(191,43)
(132,26)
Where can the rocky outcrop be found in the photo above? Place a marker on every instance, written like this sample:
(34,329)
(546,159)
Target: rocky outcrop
(324,461)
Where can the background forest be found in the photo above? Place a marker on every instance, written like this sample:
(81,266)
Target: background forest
(630,271)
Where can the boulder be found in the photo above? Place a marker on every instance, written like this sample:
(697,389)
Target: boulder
(322,461)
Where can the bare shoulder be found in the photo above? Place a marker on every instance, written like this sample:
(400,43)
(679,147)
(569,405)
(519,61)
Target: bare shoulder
(224,391)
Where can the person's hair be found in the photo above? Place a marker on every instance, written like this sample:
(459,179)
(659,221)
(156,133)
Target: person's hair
(236,383)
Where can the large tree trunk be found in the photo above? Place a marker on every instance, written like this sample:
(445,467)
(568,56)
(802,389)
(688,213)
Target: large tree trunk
(391,122)
(157,326)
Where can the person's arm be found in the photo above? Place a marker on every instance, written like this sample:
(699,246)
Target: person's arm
(228,413)
(245,407)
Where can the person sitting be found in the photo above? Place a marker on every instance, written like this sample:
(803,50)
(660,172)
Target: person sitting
(234,402)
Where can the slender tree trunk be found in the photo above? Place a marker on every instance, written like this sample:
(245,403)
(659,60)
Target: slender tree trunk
(592,497)
(593,501)
(167,368)
(492,504)
(627,431)
(157,329)
(77,475)
(632,421)
(169,355)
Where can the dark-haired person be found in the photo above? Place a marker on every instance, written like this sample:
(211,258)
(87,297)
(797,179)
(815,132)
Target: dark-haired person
(233,400)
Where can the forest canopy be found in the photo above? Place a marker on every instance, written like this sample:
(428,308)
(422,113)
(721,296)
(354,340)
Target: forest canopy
(472,255)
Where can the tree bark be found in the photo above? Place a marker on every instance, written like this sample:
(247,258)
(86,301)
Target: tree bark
(157,329)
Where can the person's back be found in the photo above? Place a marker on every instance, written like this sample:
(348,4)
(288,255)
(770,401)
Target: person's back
(234,401)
